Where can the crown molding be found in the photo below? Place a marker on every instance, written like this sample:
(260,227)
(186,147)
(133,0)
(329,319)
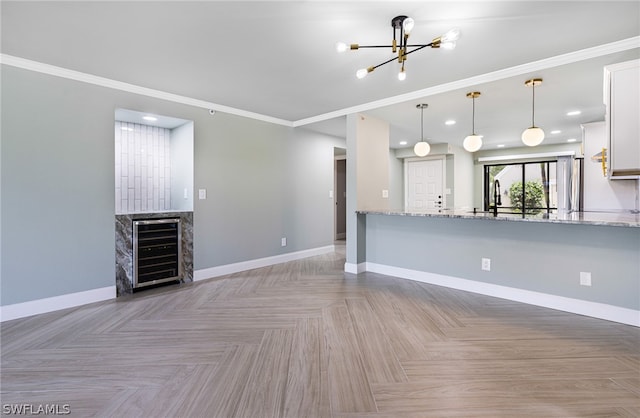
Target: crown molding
(132,88)
(568,58)
(543,64)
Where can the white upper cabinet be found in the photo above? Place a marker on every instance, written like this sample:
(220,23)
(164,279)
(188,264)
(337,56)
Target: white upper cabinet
(622,100)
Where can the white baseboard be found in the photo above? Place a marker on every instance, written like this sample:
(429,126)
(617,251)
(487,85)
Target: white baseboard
(218,271)
(561,303)
(355,268)
(55,303)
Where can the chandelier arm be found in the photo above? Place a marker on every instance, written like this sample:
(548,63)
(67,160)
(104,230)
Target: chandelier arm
(375,46)
(419,47)
(394,58)
(391,46)
(383,63)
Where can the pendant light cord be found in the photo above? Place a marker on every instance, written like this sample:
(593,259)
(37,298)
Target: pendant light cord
(422,123)
(533,106)
(473,116)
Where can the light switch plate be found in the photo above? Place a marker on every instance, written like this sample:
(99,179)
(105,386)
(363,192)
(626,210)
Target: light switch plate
(486,264)
(202,194)
(585,278)
(385,194)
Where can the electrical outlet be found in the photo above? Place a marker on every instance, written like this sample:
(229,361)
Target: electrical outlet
(585,278)
(486,264)
(283,242)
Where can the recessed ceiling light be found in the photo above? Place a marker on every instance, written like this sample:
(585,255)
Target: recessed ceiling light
(573,113)
(126,128)
(450,122)
(150,118)
(571,140)
(500,145)
(403,142)
(556,132)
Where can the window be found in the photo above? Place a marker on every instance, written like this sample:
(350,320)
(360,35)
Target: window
(523,188)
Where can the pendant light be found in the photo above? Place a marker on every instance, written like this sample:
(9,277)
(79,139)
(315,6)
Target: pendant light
(533,136)
(422,148)
(473,142)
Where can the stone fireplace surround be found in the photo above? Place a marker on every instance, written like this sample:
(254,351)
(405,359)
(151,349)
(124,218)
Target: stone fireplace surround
(124,246)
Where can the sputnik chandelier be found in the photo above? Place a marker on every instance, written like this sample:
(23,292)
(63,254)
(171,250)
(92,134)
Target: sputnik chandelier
(404,25)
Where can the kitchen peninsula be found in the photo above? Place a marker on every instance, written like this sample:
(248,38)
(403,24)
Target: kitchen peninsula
(586,263)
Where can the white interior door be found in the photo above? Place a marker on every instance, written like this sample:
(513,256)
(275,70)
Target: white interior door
(425,184)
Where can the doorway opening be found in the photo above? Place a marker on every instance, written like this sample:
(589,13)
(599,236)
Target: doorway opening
(340,194)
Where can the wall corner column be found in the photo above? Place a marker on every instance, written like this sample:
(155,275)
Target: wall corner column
(367,181)
(356,224)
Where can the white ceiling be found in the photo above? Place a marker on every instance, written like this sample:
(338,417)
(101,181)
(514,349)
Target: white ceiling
(277,58)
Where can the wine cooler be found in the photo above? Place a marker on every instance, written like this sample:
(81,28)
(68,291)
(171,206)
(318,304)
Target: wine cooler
(157,251)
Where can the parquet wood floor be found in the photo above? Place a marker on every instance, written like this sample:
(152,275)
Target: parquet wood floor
(302,339)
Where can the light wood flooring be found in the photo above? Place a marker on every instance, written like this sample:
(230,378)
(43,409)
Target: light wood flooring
(302,339)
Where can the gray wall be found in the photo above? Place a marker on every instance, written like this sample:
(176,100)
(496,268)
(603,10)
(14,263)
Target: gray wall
(264,182)
(58,192)
(546,258)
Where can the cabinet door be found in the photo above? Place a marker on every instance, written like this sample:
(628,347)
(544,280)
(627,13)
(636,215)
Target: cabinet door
(623,116)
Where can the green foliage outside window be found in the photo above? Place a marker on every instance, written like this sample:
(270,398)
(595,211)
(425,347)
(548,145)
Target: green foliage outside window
(533,196)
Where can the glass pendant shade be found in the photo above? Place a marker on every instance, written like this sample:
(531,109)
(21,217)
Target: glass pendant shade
(533,136)
(421,149)
(472,143)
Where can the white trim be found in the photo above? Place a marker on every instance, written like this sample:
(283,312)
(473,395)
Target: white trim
(355,268)
(571,57)
(56,303)
(528,156)
(223,270)
(561,303)
(132,88)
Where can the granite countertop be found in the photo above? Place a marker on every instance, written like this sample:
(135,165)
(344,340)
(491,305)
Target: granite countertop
(624,219)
